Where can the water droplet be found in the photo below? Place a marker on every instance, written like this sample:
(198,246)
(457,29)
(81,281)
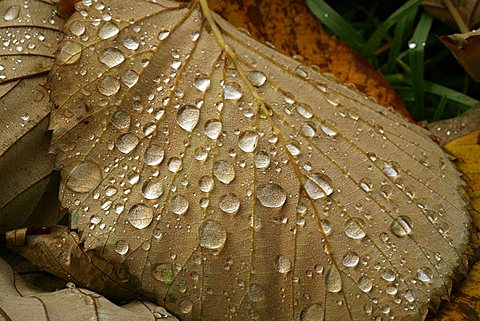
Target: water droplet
(328,131)
(163,272)
(224,171)
(283,264)
(130,78)
(108,30)
(294,148)
(401,226)
(77,28)
(152,190)
(70,53)
(206,184)
(131,44)
(261,160)
(271,195)
(162,35)
(318,185)
(175,164)
(257,78)
(231,91)
(425,274)
(229,203)
(213,128)
(108,86)
(112,57)
(121,247)
(84,177)
(153,155)
(314,312)
(187,117)
(350,259)
(12,13)
(126,143)
(202,82)
(140,216)
(120,119)
(365,284)
(179,204)
(390,170)
(308,129)
(212,235)
(186,306)
(326,226)
(353,228)
(247,141)
(256,293)
(333,280)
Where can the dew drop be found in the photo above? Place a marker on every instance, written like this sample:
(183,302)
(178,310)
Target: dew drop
(314,312)
(261,160)
(231,91)
(120,119)
(69,53)
(213,128)
(187,117)
(305,111)
(294,149)
(333,280)
(401,226)
(365,284)
(130,78)
(131,44)
(108,30)
(121,247)
(212,235)
(112,57)
(12,13)
(353,228)
(163,272)
(308,129)
(247,141)
(179,204)
(256,293)
(84,177)
(175,164)
(283,264)
(390,170)
(257,78)
(224,171)
(126,143)
(318,185)
(108,86)
(162,35)
(424,274)
(77,28)
(140,216)
(350,259)
(271,195)
(328,131)
(153,155)
(152,190)
(230,203)
(206,184)
(202,82)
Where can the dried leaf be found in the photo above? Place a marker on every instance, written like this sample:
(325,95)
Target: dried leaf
(468,11)
(449,130)
(29,32)
(214,169)
(466,49)
(21,301)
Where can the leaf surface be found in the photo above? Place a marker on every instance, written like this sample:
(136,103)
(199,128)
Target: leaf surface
(466,49)
(232,182)
(464,13)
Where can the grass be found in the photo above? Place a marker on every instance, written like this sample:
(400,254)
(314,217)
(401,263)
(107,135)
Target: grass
(423,72)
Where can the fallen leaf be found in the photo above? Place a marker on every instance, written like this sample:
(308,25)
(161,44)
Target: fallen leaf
(29,32)
(468,11)
(466,49)
(213,169)
(21,301)
(445,131)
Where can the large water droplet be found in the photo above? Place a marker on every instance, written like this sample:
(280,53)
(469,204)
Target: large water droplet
(283,264)
(187,117)
(256,293)
(247,141)
(153,155)
(108,30)
(425,274)
(179,204)
(108,86)
(350,259)
(333,280)
(365,284)
(353,228)
(152,190)
(231,91)
(126,143)
(69,53)
(206,184)
(121,247)
(120,119)
(140,216)
(257,78)
(401,226)
(84,177)
(77,28)
(390,169)
(328,131)
(112,57)
(130,78)
(175,164)
(261,160)
(314,312)
(318,185)
(294,148)
(224,171)
(271,195)
(12,13)
(202,82)
(213,128)
(212,235)
(230,203)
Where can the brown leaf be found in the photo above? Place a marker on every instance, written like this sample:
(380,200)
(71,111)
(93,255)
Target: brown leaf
(232,182)
(448,130)
(30,32)
(466,49)
(468,11)
(21,301)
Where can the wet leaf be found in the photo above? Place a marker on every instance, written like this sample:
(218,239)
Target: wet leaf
(466,49)
(30,32)
(22,301)
(213,169)
(467,11)
(445,131)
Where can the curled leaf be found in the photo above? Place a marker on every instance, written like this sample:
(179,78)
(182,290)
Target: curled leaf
(213,169)
(466,49)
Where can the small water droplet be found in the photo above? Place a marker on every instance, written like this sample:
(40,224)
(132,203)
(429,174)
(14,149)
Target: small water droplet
(224,171)
(179,204)
(206,184)
(294,148)
(69,53)
(175,164)
(229,203)
(130,78)
(12,13)
(126,143)
(328,131)
(153,155)
(283,264)
(353,228)
(84,177)
(271,195)
(350,259)
(318,185)
(308,129)
(257,78)
(425,274)
(401,226)
(162,35)
(232,91)
(77,28)
(202,82)
(212,235)
(187,117)
(333,280)
(247,141)
(152,190)
(131,44)
(256,293)
(261,160)
(140,216)
(121,247)
(108,86)
(365,284)
(213,128)
(112,57)
(120,119)
(108,30)
(390,169)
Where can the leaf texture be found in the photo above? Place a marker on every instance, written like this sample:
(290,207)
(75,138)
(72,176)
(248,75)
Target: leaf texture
(20,300)
(232,182)
(30,33)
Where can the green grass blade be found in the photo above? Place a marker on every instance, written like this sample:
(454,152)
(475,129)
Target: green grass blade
(440,110)
(336,24)
(379,34)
